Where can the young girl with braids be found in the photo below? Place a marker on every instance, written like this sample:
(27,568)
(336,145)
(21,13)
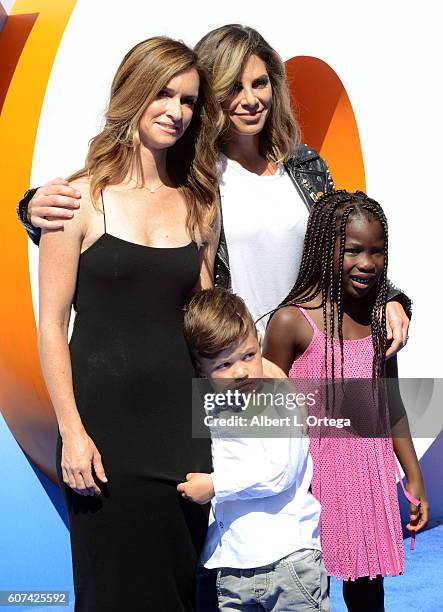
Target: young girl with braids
(332,325)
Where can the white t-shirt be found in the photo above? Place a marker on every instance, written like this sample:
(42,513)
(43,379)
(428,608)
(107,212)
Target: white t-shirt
(264,220)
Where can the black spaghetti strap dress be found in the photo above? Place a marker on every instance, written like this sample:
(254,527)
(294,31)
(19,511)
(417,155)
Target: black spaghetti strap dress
(135,547)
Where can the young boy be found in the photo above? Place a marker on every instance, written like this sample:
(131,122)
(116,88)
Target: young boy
(263,531)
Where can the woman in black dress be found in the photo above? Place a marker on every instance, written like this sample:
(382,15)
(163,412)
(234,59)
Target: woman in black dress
(138,246)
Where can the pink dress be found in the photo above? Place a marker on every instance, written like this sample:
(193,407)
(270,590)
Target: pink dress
(354,478)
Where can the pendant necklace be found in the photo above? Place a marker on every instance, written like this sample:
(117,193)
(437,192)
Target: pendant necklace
(150,189)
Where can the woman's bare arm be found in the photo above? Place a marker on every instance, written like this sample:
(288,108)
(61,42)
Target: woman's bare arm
(58,262)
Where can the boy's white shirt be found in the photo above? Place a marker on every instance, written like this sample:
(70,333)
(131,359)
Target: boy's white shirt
(262,509)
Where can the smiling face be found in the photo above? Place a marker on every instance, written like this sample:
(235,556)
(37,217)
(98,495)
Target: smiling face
(249,107)
(165,120)
(239,363)
(363,260)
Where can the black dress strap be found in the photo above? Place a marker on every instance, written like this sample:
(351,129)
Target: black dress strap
(103,205)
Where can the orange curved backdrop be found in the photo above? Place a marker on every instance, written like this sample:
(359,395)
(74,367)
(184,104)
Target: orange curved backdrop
(327,120)
(29,41)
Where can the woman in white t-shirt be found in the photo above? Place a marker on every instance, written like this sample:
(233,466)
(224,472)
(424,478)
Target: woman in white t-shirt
(268,180)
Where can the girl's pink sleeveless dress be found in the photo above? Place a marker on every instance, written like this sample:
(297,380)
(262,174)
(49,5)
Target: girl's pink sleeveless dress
(354,479)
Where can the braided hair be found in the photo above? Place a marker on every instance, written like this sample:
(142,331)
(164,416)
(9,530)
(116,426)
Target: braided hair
(328,219)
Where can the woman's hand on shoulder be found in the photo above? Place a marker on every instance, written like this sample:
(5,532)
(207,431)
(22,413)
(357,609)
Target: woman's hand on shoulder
(65,242)
(78,217)
(53,204)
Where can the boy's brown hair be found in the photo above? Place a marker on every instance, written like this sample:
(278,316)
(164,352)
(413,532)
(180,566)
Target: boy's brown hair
(215,319)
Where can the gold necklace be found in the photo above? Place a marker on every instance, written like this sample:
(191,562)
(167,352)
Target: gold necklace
(150,189)
(153,190)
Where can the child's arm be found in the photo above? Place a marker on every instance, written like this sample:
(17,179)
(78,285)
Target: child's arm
(404,449)
(247,468)
(287,336)
(198,488)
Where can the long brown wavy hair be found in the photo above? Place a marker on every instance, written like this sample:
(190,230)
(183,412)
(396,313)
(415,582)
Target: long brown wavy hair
(191,161)
(224,52)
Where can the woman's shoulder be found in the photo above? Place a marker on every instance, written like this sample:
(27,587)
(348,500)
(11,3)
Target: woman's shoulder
(75,226)
(85,213)
(305,159)
(83,185)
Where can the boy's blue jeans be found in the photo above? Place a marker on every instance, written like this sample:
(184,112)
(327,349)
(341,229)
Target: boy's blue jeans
(296,582)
